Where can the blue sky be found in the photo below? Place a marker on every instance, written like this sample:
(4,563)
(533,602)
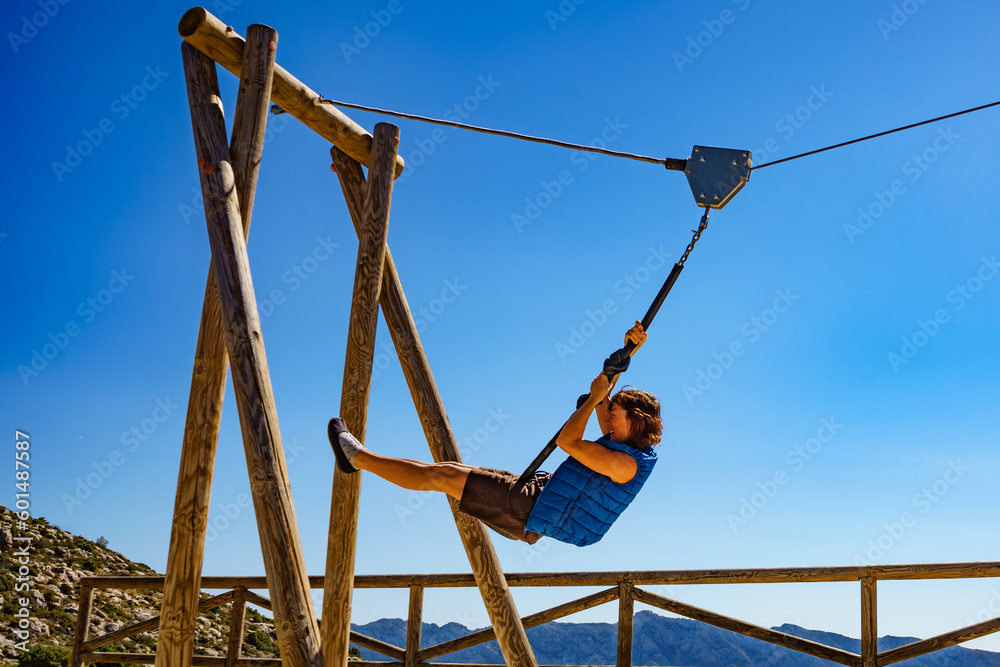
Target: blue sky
(825,363)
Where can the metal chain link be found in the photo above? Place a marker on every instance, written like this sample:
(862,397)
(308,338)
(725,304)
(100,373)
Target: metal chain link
(697,235)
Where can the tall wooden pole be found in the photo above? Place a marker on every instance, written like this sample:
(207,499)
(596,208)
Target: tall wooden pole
(475,538)
(295,620)
(182,585)
(342,539)
(222,44)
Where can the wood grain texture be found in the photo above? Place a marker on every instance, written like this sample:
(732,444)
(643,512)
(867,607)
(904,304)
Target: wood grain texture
(83,612)
(938,642)
(342,537)
(626,606)
(750,630)
(414,624)
(386,649)
(869,622)
(234,649)
(208,381)
(919,571)
(295,621)
(150,624)
(536,619)
(223,45)
(437,430)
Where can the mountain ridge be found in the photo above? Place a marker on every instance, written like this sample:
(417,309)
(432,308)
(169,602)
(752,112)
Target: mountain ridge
(58,560)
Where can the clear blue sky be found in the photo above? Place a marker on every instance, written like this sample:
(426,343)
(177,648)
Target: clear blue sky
(814,445)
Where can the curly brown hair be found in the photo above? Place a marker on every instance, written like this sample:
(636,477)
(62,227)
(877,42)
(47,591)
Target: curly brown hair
(643,412)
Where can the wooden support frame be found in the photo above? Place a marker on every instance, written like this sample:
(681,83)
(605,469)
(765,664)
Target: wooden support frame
(208,382)
(236,626)
(414,625)
(296,625)
(622,581)
(869,622)
(221,43)
(83,612)
(342,537)
(626,606)
(444,447)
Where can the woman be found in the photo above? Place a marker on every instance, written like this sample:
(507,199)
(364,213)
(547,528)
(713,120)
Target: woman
(575,504)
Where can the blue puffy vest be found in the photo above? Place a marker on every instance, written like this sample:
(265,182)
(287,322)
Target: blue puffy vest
(578,505)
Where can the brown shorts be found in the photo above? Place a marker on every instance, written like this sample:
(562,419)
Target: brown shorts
(495,498)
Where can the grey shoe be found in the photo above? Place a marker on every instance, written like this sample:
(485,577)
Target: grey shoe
(345,446)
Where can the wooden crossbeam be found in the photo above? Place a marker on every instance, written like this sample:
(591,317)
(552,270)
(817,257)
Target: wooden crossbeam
(151,623)
(208,381)
(939,642)
(295,620)
(539,618)
(224,45)
(749,629)
(379,646)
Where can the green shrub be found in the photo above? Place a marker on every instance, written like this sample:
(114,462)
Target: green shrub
(45,656)
(262,641)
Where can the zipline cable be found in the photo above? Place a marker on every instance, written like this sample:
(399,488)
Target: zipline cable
(670,163)
(872,136)
(502,133)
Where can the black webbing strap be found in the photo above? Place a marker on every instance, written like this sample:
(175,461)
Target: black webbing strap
(618,362)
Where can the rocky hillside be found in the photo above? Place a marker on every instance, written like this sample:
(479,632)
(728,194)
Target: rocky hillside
(56,562)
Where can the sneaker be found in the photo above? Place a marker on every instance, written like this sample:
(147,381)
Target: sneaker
(345,445)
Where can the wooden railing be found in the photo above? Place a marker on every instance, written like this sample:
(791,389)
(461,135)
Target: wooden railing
(621,586)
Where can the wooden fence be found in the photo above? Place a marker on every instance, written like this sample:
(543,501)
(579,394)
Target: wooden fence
(621,586)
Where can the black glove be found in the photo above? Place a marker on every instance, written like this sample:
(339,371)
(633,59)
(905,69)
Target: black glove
(617,363)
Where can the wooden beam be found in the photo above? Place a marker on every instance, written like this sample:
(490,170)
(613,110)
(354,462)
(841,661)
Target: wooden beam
(626,606)
(264,603)
(197,661)
(179,610)
(295,620)
(342,537)
(475,538)
(539,618)
(921,571)
(939,642)
(224,45)
(869,622)
(750,630)
(382,647)
(414,625)
(234,649)
(83,612)
(150,624)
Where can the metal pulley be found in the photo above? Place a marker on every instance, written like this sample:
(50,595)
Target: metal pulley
(714,174)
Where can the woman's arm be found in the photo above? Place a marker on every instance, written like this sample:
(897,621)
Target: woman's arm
(619,466)
(637,336)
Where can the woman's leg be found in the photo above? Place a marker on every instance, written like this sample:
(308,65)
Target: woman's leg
(448,477)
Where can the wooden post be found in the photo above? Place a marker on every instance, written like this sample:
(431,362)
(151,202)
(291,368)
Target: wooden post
(295,620)
(869,622)
(82,623)
(223,45)
(175,645)
(236,622)
(414,624)
(626,606)
(475,538)
(342,538)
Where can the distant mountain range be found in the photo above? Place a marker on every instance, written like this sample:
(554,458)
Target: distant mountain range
(59,560)
(659,640)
